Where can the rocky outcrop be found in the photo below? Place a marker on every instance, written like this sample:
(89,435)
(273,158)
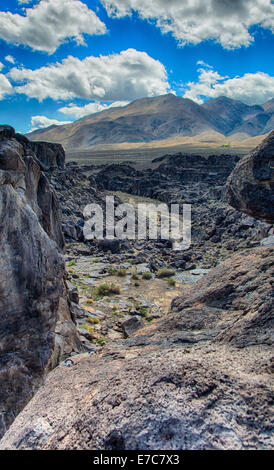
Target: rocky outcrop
(36,326)
(197,379)
(250,187)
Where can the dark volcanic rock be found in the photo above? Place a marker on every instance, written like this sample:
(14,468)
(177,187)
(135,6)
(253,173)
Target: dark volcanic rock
(197,379)
(36,325)
(250,187)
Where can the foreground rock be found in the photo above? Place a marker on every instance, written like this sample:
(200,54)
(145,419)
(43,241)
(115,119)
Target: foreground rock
(198,379)
(250,187)
(36,326)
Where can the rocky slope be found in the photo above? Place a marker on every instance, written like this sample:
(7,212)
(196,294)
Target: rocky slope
(37,329)
(198,378)
(161,117)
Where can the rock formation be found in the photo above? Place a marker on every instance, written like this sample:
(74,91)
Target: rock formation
(198,378)
(250,187)
(36,325)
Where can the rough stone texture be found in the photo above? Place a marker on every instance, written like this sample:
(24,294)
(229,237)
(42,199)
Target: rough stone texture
(250,187)
(131,325)
(197,379)
(36,326)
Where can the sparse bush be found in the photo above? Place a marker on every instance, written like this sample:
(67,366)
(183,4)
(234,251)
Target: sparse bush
(101,341)
(137,284)
(72,263)
(112,270)
(171,282)
(93,320)
(89,329)
(147,276)
(108,289)
(135,277)
(121,272)
(165,272)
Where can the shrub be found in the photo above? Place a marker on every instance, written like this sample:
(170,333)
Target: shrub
(72,263)
(147,276)
(93,321)
(171,282)
(137,283)
(101,341)
(89,329)
(135,277)
(108,289)
(112,270)
(121,272)
(165,272)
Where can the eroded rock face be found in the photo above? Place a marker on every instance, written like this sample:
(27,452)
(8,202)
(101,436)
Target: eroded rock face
(34,311)
(250,187)
(197,379)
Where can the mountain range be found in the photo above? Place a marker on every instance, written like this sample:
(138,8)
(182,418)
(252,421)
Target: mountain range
(163,118)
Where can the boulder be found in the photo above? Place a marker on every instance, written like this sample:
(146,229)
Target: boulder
(250,187)
(131,325)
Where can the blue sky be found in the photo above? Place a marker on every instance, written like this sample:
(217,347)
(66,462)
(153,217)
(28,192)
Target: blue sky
(63,59)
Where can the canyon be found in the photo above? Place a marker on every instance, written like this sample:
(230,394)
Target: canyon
(179,354)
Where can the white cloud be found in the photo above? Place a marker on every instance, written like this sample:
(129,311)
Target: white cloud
(118,77)
(40,122)
(204,64)
(251,88)
(90,108)
(5,86)
(192,21)
(48,24)
(10,59)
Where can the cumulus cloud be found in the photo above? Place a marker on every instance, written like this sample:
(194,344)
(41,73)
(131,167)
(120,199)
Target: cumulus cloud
(48,24)
(90,108)
(40,122)
(10,59)
(5,85)
(251,88)
(228,22)
(118,77)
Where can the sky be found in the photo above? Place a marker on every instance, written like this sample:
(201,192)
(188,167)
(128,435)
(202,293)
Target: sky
(61,60)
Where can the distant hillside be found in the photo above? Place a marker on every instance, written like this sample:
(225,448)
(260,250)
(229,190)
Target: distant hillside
(163,118)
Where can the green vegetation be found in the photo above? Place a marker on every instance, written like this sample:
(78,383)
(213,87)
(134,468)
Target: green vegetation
(100,341)
(72,263)
(147,276)
(93,320)
(171,282)
(112,270)
(89,329)
(108,289)
(121,272)
(165,272)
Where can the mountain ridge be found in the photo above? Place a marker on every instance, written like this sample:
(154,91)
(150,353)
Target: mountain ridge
(159,118)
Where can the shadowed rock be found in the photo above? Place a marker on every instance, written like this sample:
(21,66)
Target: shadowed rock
(250,187)
(36,329)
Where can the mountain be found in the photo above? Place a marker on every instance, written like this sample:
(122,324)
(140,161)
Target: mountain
(159,118)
